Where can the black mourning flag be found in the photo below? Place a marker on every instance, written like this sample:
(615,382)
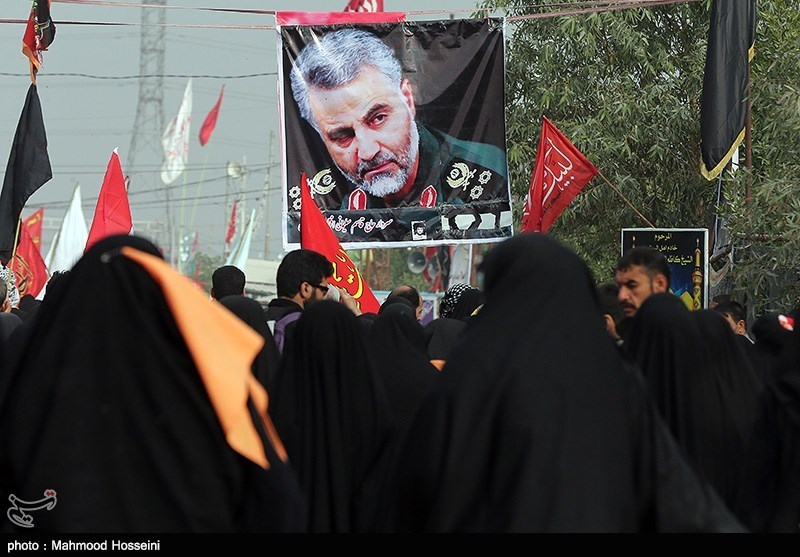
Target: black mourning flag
(723,107)
(27,170)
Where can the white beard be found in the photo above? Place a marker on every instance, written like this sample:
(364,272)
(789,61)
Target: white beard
(387,183)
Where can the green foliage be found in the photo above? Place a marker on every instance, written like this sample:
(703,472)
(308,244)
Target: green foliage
(624,87)
(206,265)
(767,228)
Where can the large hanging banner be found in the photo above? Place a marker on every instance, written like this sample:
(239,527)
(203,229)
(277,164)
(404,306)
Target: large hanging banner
(400,128)
(686,250)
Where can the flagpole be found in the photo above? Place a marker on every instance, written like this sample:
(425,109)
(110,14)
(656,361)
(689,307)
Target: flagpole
(16,239)
(641,216)
(197,190)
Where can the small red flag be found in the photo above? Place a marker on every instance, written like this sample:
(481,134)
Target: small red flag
(113,213)
(232,225)
(364,6)
(316,235)
(28,265)
(211,120)
(34,226)
(560,173)
(39,34)
(337,18)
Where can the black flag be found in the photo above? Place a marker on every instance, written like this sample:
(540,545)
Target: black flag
(723,107)
(27,170)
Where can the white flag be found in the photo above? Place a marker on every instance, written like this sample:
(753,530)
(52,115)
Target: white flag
(68,244)
(460,264)
(175,140)
(240,254)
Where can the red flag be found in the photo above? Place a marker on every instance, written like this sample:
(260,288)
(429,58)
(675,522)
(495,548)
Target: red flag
(28,265)
(316,235)
(39,34)
(34,226)
(232,225)
(560,173)
(211,120)
(113,213)
(364,6)
(336,18)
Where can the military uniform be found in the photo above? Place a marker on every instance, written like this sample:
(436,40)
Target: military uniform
(450,171)
(460,192)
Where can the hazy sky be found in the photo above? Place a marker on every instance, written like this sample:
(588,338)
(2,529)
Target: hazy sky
(87,117)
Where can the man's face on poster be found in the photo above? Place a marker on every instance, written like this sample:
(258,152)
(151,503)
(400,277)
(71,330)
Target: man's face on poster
(369,130)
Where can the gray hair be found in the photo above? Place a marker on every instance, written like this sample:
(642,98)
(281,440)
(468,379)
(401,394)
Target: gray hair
(336,59)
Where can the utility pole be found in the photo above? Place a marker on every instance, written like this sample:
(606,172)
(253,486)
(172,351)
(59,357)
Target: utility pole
(148,126)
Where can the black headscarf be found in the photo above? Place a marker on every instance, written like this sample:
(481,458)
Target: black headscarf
(535,425)
(248,310)
(441,335)
(734,388)
(396,344)
(770,339)
(470,300)
(329,407)
(701,383)
(109,410)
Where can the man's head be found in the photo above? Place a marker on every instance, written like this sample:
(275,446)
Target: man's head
(227,281)
(641,273)
(719,299)
(303,276)
(349,86)
(409,293)
(735,314)
(608,297)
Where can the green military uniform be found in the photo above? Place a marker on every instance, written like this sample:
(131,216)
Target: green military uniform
(450,171)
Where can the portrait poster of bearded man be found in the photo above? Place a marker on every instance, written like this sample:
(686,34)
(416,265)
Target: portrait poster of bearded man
(400,128)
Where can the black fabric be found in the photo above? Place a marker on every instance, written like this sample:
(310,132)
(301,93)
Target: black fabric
(396,344)
(441,335)
(728,408)
(701,383)
(770,338)
(280,307)
(771,502)
(723,105)
(8,324)
(330,408)
(536,425)
(391,300)
(28,169)
(107,407)
(468,302)
(248,310)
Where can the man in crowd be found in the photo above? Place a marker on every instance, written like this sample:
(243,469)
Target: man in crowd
(736,316)
(302,279)
(641,272)
(227,281)
(409,293)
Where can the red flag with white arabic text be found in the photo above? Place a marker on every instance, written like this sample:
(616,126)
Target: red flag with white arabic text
(560,173)
(113,213)
(28,265)
(211,120)
(316,235)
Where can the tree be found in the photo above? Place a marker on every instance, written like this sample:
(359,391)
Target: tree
(766,230)
(625,86)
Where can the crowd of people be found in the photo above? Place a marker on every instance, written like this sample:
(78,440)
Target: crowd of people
(543,402)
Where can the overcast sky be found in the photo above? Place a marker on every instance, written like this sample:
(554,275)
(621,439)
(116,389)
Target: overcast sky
(87,117)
